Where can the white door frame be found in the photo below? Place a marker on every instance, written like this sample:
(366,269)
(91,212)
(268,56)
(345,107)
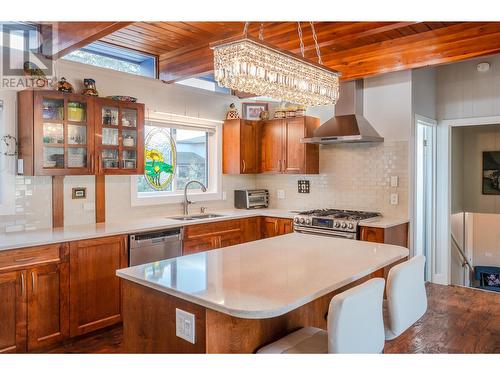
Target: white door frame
(430,258)
(442,269)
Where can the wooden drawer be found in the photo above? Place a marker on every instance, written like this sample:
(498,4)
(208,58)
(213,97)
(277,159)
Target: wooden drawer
(14,259)
(198,230)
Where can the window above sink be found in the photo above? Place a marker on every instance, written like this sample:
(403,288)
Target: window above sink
(179,151)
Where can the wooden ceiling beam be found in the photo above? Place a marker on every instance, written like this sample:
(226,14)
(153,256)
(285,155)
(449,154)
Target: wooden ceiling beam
(70,36)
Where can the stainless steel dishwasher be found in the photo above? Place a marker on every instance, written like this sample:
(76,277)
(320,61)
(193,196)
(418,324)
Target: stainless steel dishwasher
(154,246)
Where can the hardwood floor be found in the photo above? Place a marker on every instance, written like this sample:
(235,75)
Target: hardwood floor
(458,320)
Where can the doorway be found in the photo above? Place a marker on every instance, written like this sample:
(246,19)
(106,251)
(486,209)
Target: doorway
(425,193)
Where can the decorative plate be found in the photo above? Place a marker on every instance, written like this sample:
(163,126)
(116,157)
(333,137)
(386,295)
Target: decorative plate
(123,98)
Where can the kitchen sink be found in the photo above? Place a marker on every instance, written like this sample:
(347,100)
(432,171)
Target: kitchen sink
(196,217)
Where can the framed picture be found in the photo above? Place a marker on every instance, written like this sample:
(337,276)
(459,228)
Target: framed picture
(251,111)
(491,172)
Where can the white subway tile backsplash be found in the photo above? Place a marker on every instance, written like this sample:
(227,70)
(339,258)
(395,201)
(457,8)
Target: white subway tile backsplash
(352,176)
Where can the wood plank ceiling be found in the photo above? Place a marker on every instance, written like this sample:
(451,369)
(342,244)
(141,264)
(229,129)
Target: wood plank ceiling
(356,49)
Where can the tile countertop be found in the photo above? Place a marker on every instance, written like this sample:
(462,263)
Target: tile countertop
(17,240)
(265,278)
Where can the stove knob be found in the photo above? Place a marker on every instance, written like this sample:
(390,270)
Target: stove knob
(308,221)
(337,224)
(296,220)
(350,226)
(301,220)
(344,225)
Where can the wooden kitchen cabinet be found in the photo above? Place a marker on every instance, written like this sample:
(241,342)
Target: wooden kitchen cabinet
(271,146)
(34,287)
(273,226)
(240,147)
(396,235)
(281,147)
(119,137)
(13,312)
(69,134)
(56,133)
(48,304)
(252,229)
(209,236)
(95,290)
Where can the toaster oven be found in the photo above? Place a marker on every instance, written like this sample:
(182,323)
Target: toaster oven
(256,198)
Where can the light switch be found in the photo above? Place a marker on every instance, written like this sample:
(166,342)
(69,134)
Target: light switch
(280,193)
(394,181)
(185,325)
(394,198)
(224,196)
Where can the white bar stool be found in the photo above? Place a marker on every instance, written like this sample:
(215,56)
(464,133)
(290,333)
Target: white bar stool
(355,325)
(406,296)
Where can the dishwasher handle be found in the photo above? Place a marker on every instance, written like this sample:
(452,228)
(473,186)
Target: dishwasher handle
(140,240)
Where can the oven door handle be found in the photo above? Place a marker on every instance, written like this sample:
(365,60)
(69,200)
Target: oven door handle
(348,235)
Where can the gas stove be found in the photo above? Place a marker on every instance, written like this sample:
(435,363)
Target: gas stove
(332,222)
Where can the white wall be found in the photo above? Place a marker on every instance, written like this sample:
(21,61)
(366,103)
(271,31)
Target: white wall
(387,105)
(463,92)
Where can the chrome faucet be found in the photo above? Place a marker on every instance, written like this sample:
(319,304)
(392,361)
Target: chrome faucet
(187,202)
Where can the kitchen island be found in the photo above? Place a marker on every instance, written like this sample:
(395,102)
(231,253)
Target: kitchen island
(247,295)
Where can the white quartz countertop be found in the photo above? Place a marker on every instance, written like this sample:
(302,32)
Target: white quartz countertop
(265,278)
(384,222)
(17,240)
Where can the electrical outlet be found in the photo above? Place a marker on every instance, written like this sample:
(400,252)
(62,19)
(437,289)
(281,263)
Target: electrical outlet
(303,186)
(394,198)
(394,181)
(185,325)
(224,196)
(280,193)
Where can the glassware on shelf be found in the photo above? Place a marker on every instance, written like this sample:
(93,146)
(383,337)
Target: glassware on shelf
(129,159)
(77,157)
(77,111)
(129,138)
(77,134)
(129,117)
(110,136)
(53,133)
(53,109)
(110,116)
(110,158)
(53,157)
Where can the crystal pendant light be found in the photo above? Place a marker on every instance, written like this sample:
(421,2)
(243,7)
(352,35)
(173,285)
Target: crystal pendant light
(251,65)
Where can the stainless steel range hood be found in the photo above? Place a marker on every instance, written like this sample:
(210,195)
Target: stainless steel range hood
(348,124)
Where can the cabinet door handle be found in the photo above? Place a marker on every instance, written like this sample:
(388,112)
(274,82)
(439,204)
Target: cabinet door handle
(244,165)
(23,285)
(98,163)
(33,282)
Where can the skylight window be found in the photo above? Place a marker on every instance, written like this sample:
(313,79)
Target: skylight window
(204,83)
(111,57)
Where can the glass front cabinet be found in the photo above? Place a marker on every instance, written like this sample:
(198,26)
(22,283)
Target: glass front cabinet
(70,134)
(119,148)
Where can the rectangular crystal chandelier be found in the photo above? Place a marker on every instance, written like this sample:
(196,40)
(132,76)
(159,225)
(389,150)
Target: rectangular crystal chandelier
(250,65)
